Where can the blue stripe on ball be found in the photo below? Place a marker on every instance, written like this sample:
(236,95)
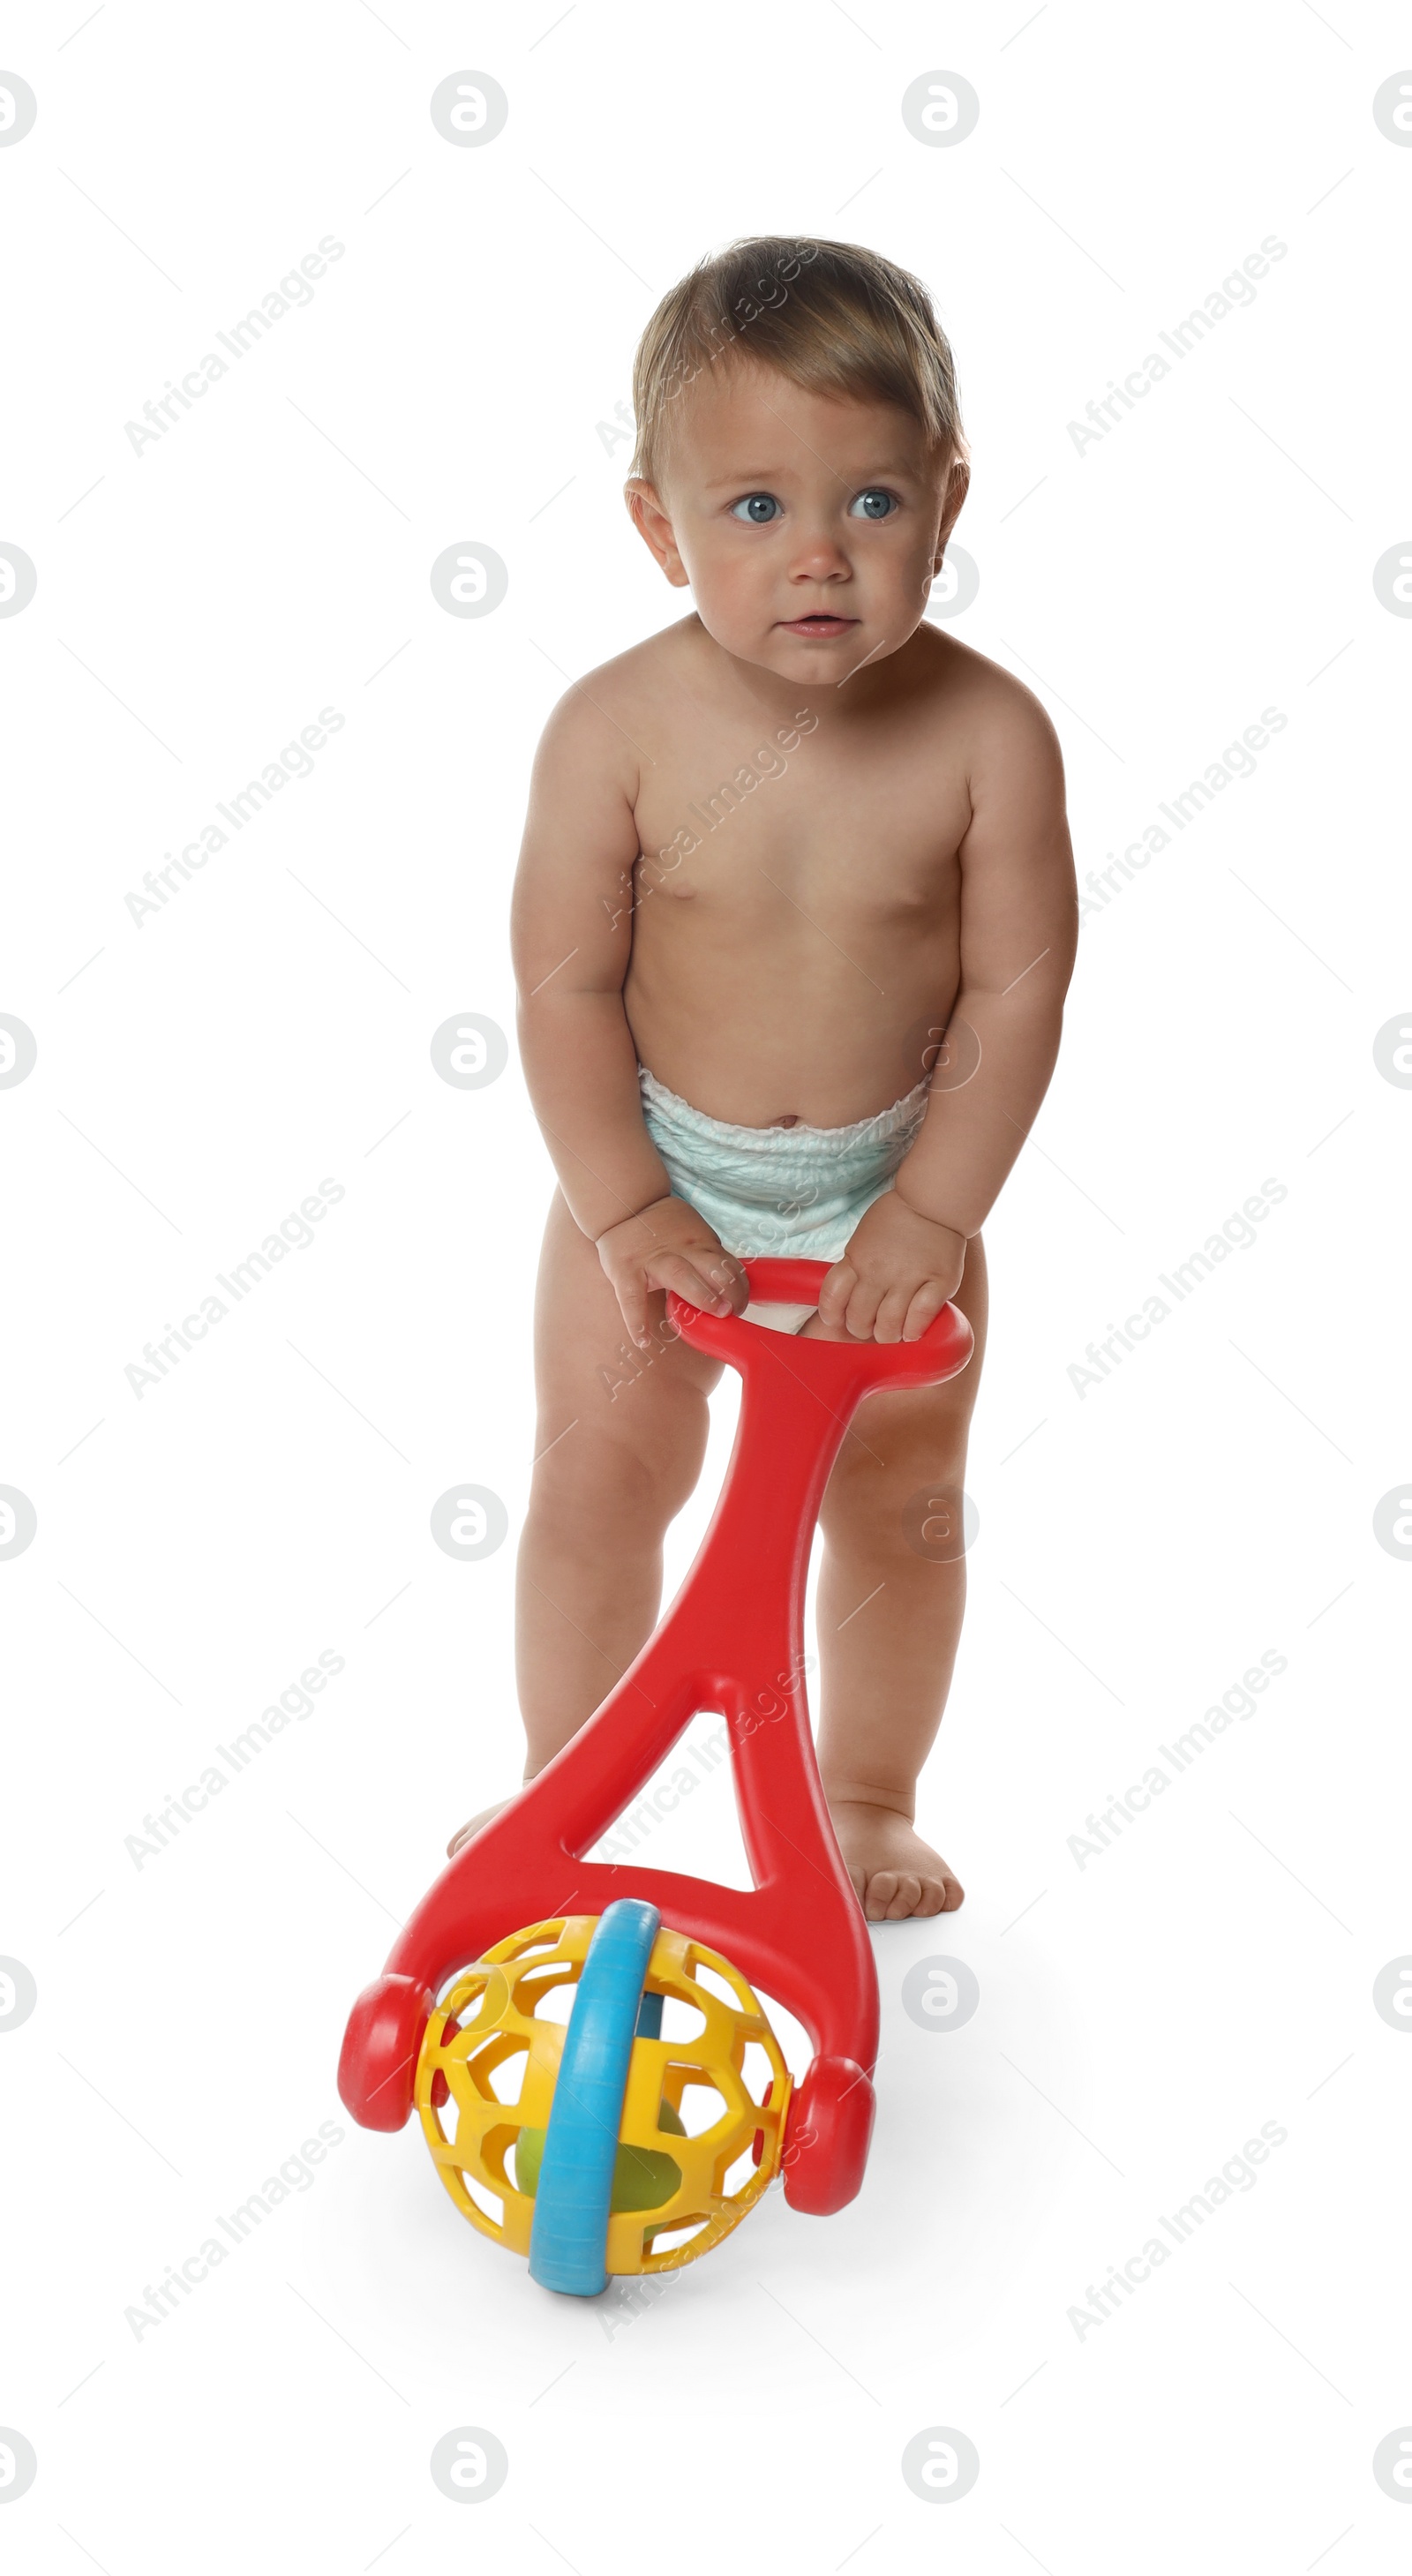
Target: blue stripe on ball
(569,2238)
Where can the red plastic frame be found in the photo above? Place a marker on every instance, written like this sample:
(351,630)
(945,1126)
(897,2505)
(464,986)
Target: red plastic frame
(732,1640)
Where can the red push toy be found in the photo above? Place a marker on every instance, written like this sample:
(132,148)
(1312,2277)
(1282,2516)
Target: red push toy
(633,2135)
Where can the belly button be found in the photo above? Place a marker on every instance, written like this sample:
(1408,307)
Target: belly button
(791,1121)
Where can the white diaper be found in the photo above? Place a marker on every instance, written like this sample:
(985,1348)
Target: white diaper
(779,1319)
(794,1192)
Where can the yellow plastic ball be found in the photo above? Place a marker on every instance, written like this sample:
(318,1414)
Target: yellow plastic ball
(485,2082)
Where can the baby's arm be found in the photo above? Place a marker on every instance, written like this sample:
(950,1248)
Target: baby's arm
(571,939)
(1019,933)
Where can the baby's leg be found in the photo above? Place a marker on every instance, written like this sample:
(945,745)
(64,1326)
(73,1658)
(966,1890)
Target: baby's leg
(890,1602)
(619,1442)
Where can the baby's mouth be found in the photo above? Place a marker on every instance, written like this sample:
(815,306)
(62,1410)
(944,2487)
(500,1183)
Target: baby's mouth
(819,622)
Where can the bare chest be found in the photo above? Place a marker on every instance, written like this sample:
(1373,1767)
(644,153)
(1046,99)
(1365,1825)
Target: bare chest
(802,815)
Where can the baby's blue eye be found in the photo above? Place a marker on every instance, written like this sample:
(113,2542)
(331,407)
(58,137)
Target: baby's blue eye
(758,507)
(873,504)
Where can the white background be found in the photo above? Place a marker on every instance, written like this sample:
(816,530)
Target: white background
(454,379)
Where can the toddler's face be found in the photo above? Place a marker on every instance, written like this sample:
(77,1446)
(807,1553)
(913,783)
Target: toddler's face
(809,529)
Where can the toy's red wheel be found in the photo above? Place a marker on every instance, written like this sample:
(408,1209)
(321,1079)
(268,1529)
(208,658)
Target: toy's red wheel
(377,2065)
(826,2136)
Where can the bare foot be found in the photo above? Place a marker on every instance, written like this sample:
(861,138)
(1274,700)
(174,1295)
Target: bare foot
(895,1873)
(463,1836)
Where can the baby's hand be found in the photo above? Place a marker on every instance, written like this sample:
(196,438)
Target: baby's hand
(668,1245)
(896,1275)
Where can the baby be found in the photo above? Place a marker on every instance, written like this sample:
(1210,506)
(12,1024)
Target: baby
(793,924)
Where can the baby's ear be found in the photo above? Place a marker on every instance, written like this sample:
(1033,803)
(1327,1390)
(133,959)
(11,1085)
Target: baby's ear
(644,501)
(648,514)
(654,527)
(958,483)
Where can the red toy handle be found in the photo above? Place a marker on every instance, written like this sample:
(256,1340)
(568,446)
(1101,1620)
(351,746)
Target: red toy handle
(732,1640)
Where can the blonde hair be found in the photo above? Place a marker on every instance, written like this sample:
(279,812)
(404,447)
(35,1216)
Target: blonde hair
(833,317)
